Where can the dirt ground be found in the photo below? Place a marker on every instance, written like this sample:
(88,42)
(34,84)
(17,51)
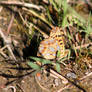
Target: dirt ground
(21,79)
(17,76)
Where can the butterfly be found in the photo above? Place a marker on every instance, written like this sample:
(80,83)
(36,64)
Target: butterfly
(49,47)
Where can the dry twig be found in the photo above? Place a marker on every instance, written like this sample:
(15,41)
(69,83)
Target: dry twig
(64,80)
(2,53)
(22,4)
(82,46)
(86,76)
(7,41)
(10,24)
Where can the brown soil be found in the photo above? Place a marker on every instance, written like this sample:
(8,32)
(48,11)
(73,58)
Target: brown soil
(20,76)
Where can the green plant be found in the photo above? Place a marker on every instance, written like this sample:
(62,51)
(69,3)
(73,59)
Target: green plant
(88,30)
(35,65)
(44,62)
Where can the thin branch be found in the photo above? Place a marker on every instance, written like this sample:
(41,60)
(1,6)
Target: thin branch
(1,9)
(52,75)
(86,76)
(22,4)
(64,80)
(2,53)
(10,24)
(7,41)
(20,87)
(82,46)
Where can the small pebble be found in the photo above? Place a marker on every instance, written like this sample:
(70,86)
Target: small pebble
(71,75)
(56,81)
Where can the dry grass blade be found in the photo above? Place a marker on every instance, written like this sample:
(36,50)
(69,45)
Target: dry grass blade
(31,24)
(38,16)
(7,41)
(82,46)
(17,3)
(86,76)
(2,53)
(10,24)
(64,80)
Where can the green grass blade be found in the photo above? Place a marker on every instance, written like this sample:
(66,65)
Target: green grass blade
(54,4)
(58,67)
(89,29)
(58,53)
(34,66)
(43,61)
(59,2)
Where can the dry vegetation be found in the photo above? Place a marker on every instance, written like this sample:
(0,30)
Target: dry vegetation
(24,24)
